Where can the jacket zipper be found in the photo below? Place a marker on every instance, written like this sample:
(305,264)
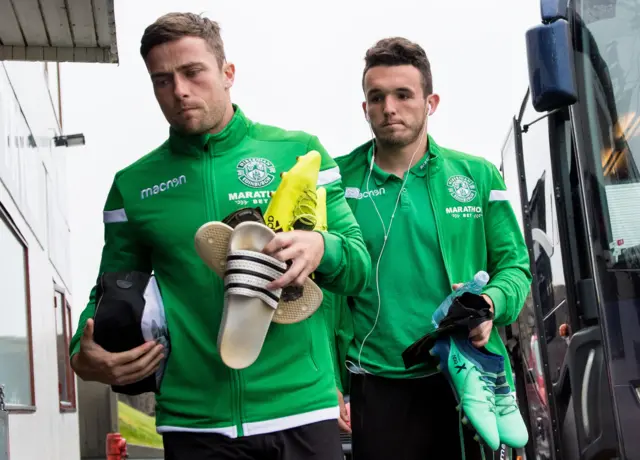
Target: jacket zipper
(237,412)
(209,186)
(438,229)
(95,311)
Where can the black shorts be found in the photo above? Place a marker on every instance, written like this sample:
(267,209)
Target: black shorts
(316,441)
(408,419)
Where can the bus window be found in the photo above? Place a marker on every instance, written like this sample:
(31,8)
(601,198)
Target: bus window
(547,254)
(611,43)
(606,35)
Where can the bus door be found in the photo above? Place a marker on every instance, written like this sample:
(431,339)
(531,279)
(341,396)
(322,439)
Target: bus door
(544,325)
(606,122)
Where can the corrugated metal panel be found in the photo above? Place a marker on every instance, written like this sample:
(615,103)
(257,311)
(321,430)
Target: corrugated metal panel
(35,53)
(57,22)
(9,30)
(32,25)
(82,25)
(103,27)
(58,30)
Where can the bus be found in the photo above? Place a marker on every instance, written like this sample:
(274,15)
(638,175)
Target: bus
(570,163)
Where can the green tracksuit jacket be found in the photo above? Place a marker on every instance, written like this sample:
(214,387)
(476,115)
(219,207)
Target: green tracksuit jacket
(476,231)
(151,216)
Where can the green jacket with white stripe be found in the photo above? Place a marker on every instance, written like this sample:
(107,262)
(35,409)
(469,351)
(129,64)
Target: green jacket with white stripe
(151,216)
(476,230)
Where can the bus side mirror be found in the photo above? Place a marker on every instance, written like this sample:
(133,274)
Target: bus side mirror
(550,58)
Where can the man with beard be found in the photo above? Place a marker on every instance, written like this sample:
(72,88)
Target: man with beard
(284,405)
(431,217)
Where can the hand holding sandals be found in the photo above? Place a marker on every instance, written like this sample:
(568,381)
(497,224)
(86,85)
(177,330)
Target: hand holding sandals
(303,248)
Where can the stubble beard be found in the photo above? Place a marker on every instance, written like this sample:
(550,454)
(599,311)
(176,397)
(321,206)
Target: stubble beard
(395,142)
(207,123)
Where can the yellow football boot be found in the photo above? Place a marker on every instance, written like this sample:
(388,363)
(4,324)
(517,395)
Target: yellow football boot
(293,204)
(321,210)
(321,215)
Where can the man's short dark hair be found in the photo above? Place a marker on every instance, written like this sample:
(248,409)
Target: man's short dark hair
(395,51)
(174,26)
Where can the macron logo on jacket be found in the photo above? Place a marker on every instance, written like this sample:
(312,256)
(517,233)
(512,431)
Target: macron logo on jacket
(162,187)
(354,192)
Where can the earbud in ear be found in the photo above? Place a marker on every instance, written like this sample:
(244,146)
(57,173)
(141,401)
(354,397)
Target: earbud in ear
(429,109)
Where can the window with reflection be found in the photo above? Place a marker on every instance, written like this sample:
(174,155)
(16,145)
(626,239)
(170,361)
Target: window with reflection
(547,253)
(66,379)
(15,329)
(607,34)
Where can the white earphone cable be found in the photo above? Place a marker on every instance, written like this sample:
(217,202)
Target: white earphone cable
(386,230)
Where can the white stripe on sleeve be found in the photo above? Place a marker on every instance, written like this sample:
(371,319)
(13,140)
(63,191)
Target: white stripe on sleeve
(328,176)
(115,216)
(498,195)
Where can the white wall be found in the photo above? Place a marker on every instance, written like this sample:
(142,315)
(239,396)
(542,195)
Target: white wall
(33,191)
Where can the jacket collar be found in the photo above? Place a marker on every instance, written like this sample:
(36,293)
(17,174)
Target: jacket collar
(361,156)
(419,169)
(354,166)
(197,144)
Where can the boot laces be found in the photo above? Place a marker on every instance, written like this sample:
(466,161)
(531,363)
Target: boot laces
(506,404)
(305,209)
(488,386)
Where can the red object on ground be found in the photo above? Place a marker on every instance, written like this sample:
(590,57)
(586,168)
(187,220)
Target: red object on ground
(116,447)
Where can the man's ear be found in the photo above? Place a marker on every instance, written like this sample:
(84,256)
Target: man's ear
(364,109)
(432,102)
(229,71)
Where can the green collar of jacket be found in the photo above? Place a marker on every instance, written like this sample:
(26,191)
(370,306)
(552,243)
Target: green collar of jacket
(361,155)
(355,165)
(225,140)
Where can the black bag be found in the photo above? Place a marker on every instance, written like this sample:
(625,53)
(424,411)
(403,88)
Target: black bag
(465,314)
(130,312)
(244,215)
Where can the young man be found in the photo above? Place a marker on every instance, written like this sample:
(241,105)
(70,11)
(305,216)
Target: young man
(284,406)
(431,217)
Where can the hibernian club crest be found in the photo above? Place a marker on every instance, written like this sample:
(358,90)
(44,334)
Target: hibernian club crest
(256,172)
(462,188)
